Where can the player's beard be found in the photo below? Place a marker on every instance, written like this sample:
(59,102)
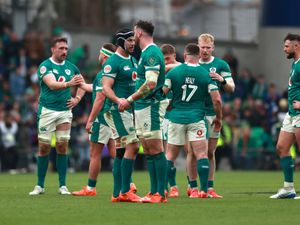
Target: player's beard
(291,55)
(62,58)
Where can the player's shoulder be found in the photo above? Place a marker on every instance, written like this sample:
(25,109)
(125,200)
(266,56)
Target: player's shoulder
(46,62)
(220,61)
(153,49)
(113,60)
(45,66)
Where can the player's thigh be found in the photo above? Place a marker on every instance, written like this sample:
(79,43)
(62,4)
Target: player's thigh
(176,133)
(173,152)
(122,125)
(149,120)
(100,133)
(196,131)
(200,148)
(210,128)
(284,143)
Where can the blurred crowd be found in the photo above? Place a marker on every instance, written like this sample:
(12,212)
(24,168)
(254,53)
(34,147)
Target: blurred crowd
(252,115)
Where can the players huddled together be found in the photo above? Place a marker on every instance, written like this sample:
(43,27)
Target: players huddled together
(156,101)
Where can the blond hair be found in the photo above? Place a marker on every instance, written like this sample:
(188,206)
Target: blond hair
(207,38)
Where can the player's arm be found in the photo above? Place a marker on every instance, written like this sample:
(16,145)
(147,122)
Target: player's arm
(217,104)
(72,102)
(87,87)
(97,106)
(147,87)
(167,86)
(108,91)
(53,84)
(228,84)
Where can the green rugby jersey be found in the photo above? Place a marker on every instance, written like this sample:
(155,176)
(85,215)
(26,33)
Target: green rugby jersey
(294,87)
(98,87)
(191,85)
(123,71)
(221,67)
(63,72)
(151,59)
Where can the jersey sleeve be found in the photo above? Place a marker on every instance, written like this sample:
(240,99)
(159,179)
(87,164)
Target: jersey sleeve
(212,86)
(98,83)
(152,63)
(44,70)
(110,69)
(225,70)
(168,79)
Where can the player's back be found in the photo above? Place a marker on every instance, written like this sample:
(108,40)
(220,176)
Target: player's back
(190,85)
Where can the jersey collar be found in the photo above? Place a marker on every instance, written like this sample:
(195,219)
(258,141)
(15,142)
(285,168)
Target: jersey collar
(210,61)
(191,64)
(296,61)
(148,46)
(123,57)
(62,63)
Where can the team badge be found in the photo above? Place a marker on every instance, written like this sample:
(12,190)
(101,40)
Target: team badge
(68,72)
(200,133)
(43,69)
(55,71)
(151,61)
(134,75)
(61,79)
(212,69)
(107,69)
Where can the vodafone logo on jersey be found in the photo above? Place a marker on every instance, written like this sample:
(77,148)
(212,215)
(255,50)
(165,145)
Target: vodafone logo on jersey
(134,76)
(61,79)
(200,133)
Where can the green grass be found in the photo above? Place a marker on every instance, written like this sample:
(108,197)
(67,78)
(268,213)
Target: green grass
(246,201)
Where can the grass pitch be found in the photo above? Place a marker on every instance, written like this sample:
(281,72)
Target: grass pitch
(246,201)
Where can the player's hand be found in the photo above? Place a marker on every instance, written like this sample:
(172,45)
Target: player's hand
(88,126)
(77,80)
(217,123)
(123,104)
(72,102)
(216,76)
(296,104)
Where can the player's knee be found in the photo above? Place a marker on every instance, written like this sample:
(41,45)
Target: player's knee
(210,155)
(282,150)
(44,148)
(62,147)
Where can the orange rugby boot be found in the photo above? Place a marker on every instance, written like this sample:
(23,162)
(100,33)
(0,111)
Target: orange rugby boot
(85,192)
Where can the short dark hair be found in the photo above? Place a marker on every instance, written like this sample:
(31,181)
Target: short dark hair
(109,46)
(292,37)
(192,49)
(58,39)
(146,26)
(167,49)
